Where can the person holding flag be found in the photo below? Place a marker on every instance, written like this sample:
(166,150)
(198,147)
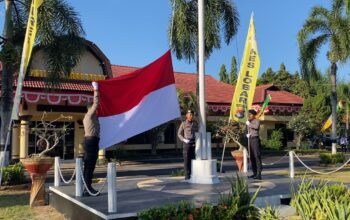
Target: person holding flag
(243,99)
(253,126)
(91,140)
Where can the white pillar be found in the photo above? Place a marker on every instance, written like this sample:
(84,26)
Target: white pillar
(15,141)
(57,178)
(291,165)
(334,148)
(245,160)
(112,188)
(24,139)
(208,156)
(79,187)
(102,154)
(198,146)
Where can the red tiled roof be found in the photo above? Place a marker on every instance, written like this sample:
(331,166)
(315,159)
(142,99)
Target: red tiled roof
(216,91)
(71,86)
(118,70)
(219,92)
(284,97)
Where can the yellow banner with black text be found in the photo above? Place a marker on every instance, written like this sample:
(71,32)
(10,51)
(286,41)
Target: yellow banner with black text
(28,44)
(248,75)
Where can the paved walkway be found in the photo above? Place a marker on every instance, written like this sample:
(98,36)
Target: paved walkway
(142,185)
(143,192)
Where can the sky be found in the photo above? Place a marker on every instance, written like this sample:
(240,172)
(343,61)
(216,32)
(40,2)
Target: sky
(134,33)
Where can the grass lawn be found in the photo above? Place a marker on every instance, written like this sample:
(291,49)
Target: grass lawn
(15,205)
(339,176)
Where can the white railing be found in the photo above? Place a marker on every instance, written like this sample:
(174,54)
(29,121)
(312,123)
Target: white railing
(319,172)
(80,184)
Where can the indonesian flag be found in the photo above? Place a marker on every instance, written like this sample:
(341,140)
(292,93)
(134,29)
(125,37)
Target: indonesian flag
(136,102)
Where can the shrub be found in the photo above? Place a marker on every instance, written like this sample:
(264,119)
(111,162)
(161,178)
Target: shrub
(310,151)
(182,211)
(118,154)
(322,201)
(268,213)
(178,172)
(274,142)
(239,204)
(328,158)
(13,174)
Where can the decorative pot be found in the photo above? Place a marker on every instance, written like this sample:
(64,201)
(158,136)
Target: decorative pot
(238,157)
(37,167)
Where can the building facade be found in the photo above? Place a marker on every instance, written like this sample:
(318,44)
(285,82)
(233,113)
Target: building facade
(72,96)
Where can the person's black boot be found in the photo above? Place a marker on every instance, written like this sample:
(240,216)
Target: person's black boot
(257,177)
(86,193)
(93,191)
(252,176)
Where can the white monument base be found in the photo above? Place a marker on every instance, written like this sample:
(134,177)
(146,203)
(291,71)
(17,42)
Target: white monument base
(204,172)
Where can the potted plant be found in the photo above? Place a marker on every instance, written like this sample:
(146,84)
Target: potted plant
(232,131)
(37,165)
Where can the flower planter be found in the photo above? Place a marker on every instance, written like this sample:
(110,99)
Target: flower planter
(238,157)
(37,167)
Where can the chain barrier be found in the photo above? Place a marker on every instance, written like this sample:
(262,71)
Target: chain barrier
(269,164)
(87,189)
(62,178)
(315,171)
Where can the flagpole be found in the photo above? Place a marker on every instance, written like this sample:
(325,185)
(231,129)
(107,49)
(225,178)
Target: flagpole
(203,167)
(347,123)
(202,119)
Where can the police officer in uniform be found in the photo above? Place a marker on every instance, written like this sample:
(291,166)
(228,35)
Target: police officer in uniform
(253,126)
(91,140)
(186,134)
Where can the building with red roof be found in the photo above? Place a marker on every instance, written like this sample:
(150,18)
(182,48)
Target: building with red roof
(72,95)
(218,96)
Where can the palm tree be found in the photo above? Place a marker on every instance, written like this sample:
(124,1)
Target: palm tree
(325,26)
(187,101)
(59,34)
(220,16)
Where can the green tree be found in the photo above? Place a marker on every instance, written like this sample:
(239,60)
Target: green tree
(59,35)
(187,101)
(221,17)
(325,26)
(153,135)
(283,79)
(267,77)
(313,114)
(233,71)
(223,74)
(300,87)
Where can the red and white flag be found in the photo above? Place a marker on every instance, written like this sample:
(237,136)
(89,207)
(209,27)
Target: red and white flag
(138,101)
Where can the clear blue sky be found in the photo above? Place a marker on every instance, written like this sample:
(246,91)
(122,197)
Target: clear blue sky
(134,32)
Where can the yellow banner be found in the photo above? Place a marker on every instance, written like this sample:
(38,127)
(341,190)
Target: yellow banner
(26,53)
(31,32)
(248,75)
(328,123)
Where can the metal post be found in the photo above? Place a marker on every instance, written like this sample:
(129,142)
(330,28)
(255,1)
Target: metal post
(78,178)
(57,179)
(245,160)
(198,146)
(201,49)
(208,156)
(223,154)
(291,165)
(112,188)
